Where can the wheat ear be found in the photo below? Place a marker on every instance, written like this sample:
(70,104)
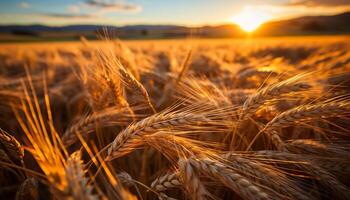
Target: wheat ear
(169,180)
(307,112)
(165,182)
(266,175)
(117,91)
(190,180)
(239,184)
(301,114)
(163,196)
(126,179)
(136,87)
(11,146)
(85,125)
(338,189)
(271,92)
(77,185)
(308,146)
(129,138)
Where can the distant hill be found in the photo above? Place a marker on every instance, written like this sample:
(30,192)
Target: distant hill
(336,24)
(308,25)
(42,28)
(81,28)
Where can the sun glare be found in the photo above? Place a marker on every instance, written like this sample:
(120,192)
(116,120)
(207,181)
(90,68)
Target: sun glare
(250,18)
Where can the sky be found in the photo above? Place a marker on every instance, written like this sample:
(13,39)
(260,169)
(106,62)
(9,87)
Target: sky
(180,12)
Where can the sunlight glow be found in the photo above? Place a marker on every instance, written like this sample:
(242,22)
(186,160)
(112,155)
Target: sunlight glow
(250,18)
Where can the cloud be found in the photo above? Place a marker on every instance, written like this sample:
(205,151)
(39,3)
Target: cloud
(73,9)
(117,6)
(319,3)
(66,15)
(90,11)
(283,11)
(23,5)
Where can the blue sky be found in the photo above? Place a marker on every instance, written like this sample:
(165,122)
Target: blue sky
(183,12)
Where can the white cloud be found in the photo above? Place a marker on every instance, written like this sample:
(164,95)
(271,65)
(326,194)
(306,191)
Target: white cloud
(91,11)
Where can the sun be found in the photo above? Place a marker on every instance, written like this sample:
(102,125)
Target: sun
(250,18)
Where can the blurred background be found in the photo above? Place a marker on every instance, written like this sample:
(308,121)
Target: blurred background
(66,20)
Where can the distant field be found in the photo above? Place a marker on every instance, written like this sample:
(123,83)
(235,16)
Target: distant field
(252,118)
(248,41)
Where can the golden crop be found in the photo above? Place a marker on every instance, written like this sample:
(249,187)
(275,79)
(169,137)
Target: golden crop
(248,118)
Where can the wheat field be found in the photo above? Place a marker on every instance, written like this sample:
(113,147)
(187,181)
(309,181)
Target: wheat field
(264,118)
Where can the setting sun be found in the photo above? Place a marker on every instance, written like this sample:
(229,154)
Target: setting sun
(250,18)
